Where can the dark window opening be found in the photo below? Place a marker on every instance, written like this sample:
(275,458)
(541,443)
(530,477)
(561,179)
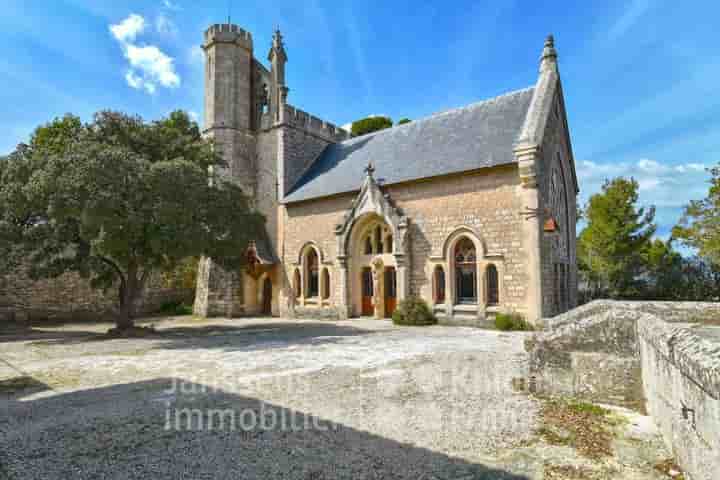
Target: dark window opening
(466,271)
(493,291)
(326,284)
(312,274)
(368,245)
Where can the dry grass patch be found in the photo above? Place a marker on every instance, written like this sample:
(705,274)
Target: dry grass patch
(670,468)
(569,472)
(583,426)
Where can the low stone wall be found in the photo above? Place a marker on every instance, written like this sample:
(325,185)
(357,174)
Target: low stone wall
(681,379)
(664,356)
(690,312)
(70,297)
(592,355)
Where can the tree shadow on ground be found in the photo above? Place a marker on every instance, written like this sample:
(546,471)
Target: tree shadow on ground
(148,430)
(245,337)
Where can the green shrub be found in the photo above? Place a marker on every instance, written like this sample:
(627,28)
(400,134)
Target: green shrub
(413,311)
(511,322)
(403,121)
(175,308)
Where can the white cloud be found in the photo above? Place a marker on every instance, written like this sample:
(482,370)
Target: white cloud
(165,26)
(128,29)
(133,80)
(667,187)
(649,166)
(193,115)
(154,64)
(149,66)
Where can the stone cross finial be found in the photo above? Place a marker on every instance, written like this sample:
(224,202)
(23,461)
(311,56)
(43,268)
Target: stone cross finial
(369,170)
(549,55)
(277,37)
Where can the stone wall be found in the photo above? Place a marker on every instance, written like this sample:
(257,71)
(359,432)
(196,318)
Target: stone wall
(664,356)
(681,378)
(301,144)
(591,353)
(605,332)
(312,222)
(70,297)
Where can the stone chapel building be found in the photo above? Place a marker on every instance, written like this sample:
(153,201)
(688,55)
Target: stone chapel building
(472,209)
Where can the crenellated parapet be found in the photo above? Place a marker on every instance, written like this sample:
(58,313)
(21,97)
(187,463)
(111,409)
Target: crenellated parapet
(228,33)
(314,125)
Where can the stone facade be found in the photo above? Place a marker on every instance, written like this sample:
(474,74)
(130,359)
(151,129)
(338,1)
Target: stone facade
(439,209)
(321,265)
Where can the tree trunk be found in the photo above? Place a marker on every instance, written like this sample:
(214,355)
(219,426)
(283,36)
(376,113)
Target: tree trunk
(128,292)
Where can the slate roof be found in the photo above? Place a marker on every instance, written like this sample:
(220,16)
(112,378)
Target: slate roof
(479,135)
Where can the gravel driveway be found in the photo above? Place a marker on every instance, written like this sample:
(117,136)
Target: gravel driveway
(269,398)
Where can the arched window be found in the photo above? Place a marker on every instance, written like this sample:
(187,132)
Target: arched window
(378,239)
(325,284)
(388,243)
(493,288)
(439,284)
(296,283)
(312,273)
(465,271)
(368,245)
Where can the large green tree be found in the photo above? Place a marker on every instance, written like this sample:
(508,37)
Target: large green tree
(610,248)
(699,227)
(664,275)
(117,200)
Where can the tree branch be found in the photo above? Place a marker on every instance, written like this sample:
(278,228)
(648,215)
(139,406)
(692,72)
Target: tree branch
(113,265)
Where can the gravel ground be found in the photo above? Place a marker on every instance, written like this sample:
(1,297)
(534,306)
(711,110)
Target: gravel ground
(262,398)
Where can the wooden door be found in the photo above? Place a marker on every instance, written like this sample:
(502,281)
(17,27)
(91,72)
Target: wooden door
(267,297)
(367,292)
(390,291)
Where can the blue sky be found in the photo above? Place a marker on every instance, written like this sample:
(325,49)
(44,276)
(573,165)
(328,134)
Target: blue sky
(640,77)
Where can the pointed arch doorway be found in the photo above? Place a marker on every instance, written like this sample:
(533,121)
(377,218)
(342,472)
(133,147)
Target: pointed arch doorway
(372,237)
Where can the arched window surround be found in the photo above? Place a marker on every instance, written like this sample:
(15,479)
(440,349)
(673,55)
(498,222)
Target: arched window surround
(376,238)
(311,266)
(461,234)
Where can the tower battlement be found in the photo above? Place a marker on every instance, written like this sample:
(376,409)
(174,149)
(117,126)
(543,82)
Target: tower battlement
(310,123)
(228,33)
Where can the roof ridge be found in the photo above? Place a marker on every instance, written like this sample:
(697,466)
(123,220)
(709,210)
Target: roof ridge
(440,114)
